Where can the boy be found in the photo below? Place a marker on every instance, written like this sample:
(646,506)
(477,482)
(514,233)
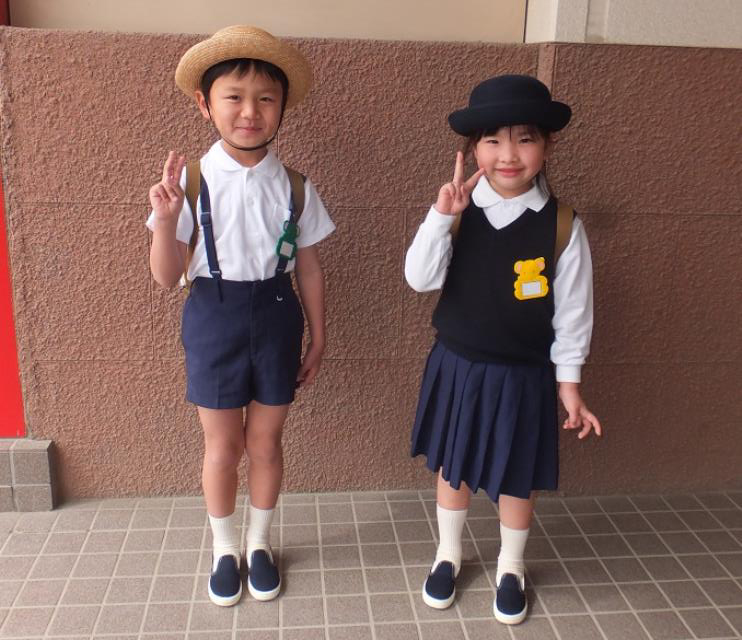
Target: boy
(242,323)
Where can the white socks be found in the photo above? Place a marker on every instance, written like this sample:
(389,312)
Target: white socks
(259,530)
(450,526)
(512,551)
(226,537)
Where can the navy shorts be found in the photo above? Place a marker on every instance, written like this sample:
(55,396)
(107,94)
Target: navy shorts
(245,347)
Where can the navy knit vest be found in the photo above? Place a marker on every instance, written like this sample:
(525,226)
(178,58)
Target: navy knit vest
(478,315)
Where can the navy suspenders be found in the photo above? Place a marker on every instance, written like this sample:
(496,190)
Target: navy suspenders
(286,248)
(214,269)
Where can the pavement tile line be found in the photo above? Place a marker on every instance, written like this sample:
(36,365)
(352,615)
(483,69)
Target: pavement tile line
(82,558)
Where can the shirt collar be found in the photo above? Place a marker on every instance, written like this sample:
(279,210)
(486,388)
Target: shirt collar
(268,166)
(485,196)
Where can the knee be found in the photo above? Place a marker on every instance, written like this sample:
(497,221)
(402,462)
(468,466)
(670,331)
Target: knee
(223,456)
(264,450)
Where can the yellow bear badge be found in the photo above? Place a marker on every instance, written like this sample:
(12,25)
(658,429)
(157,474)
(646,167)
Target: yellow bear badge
(530,283)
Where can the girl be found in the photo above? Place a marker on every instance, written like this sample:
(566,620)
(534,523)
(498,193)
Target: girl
(242,323)
(487,413)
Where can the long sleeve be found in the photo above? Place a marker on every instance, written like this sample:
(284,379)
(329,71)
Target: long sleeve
(573,306)
(429,254)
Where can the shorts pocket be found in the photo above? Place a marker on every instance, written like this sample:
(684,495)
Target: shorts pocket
(292,307)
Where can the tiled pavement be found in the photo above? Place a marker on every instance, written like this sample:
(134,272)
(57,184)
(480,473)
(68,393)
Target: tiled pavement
(629,568)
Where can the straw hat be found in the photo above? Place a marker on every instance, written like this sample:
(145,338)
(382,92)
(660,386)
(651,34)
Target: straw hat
(243,41)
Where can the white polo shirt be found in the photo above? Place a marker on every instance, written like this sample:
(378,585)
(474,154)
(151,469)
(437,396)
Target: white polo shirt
(248,208)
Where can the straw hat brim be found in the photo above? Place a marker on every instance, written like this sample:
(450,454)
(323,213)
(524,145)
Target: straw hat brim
(244,42)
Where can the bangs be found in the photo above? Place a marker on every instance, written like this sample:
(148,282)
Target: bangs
(243,66)
(533,130)
(537,132)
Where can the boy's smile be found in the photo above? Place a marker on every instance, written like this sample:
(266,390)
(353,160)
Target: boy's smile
(246,111)
(511,158)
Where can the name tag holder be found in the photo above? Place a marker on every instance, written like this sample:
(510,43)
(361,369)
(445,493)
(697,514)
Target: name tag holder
(286,247)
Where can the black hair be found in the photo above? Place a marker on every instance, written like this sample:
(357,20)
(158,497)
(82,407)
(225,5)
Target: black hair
(243,66)
(534,130)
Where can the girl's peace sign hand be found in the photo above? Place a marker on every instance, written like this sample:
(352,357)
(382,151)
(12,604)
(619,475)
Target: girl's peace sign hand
(453,197)
(166,197)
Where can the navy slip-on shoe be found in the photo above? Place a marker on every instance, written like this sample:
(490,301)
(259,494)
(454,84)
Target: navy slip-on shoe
(263,581)
(510,602)
(439,589)
(225,584)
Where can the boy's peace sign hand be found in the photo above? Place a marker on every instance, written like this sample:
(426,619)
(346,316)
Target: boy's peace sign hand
(453,197)
(166,197)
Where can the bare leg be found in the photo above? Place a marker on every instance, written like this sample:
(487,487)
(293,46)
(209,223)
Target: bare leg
(450,498)
(224,443)
(263,430)
(516,513)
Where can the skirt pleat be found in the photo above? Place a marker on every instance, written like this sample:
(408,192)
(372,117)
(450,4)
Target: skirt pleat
(434,412)
(492,426)
(462,373)
(468,401)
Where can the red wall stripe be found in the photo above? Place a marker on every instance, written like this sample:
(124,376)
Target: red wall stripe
(11,403)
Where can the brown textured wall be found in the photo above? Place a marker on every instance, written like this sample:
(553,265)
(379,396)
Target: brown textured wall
(649,162)
(652,163)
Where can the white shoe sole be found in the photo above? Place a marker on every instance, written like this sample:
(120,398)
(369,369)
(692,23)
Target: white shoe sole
(435,603)
(263,596)
(222,601)
(515,618)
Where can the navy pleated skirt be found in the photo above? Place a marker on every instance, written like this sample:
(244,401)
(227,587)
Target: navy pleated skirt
(492,426)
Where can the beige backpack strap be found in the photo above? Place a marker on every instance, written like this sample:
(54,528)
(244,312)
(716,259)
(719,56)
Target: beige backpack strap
(193,186)
(565,215)
(455,226)
(297,190)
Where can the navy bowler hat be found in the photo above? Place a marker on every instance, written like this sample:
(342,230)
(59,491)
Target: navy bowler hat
(509,100)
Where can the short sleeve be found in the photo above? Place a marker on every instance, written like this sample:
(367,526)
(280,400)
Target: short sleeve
(315,223)
(185,220)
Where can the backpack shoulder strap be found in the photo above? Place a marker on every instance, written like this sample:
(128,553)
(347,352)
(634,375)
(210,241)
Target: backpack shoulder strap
(455,226)
(193,184)
(296,180)
(565,215)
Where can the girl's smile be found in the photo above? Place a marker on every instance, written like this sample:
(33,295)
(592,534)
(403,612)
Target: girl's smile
(511,158)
